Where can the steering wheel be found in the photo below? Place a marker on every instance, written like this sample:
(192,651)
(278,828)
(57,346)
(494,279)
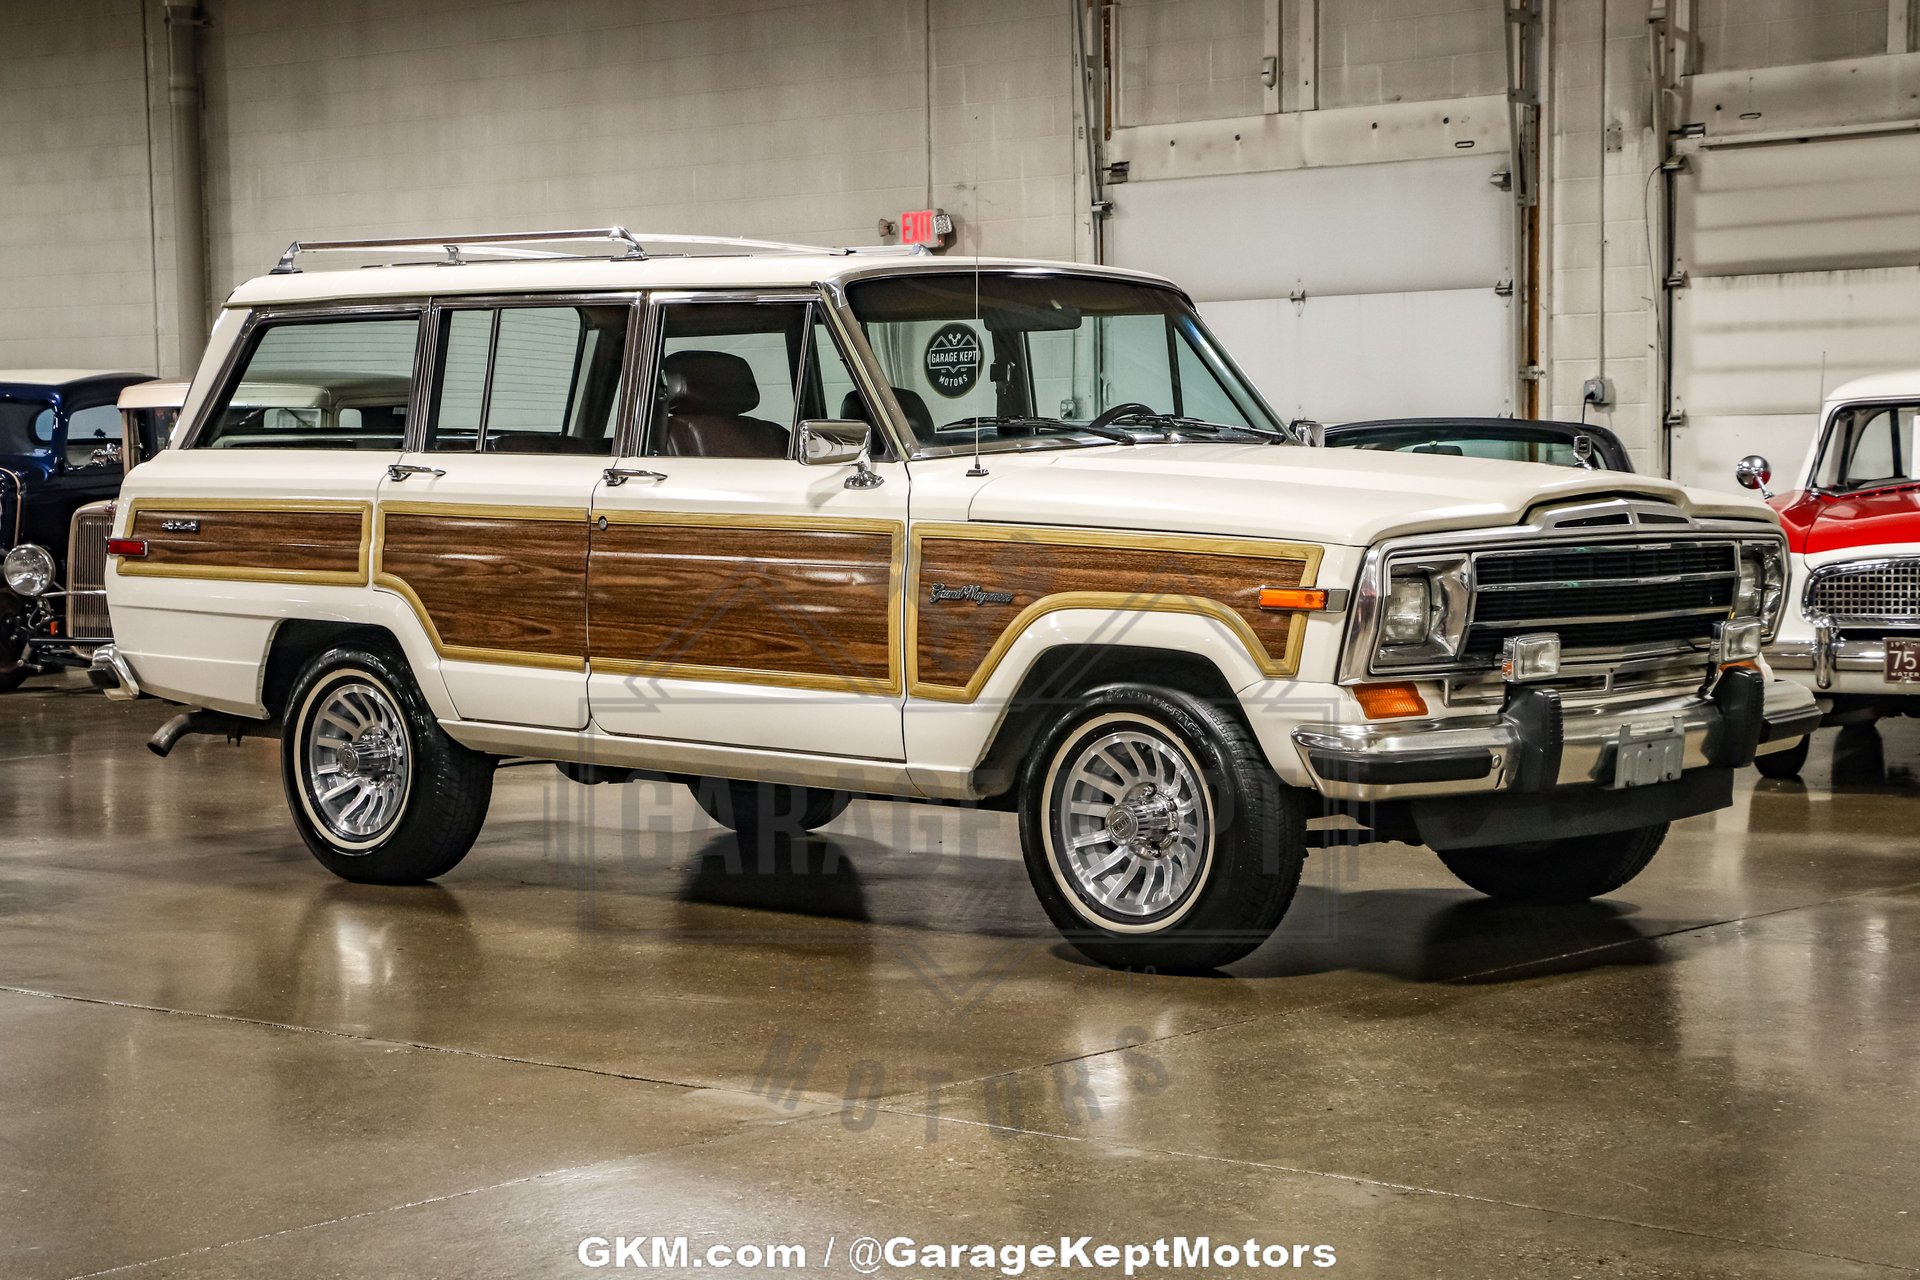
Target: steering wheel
(1119,411)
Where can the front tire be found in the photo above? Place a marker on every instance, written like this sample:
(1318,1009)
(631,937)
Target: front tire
(378,790)
(1156,835)
(14,668)
(1785,764)
(1557,871)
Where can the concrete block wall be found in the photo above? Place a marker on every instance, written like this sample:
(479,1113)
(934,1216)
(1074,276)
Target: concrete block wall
(1742,35)
(78,222)
(790,119)
(1374,51)
(1000,144)
(804,121)
(1603,204)
(1189,59)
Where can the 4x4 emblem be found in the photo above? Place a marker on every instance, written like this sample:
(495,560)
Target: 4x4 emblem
(972,591)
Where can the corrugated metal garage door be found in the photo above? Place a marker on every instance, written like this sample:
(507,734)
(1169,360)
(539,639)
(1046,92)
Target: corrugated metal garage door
(1346,292)
(1800,263)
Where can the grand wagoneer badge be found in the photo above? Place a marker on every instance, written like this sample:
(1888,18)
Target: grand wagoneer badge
(972,591)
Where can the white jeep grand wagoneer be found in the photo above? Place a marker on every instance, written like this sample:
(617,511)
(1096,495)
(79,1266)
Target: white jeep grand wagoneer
(797,525)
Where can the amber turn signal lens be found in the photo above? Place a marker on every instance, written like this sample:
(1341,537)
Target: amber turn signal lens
(1384,701)
(1311,598)
(135,547)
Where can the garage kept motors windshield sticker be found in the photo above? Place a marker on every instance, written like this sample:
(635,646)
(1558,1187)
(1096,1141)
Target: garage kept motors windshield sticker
(953,360)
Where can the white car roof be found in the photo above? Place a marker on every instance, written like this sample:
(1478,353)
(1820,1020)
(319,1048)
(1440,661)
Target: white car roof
(61,377)
(1904,384)
(167,394)
(598,275)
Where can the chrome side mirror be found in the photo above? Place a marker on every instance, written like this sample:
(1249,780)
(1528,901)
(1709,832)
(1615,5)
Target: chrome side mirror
(1753,472)
(1310,432)
(840,442)
(1583,452)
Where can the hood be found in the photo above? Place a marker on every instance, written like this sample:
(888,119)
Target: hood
(1332,496)
(1820,522)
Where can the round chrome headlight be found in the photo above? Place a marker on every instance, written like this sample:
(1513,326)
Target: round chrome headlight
(29,570)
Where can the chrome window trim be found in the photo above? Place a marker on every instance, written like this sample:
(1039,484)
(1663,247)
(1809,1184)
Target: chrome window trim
(836,288)
(826,306)
(1541,531)
(1826,440)
(429,353)
(1841,568)
(261,317)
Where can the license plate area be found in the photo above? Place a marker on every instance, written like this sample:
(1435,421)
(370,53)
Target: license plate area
(1903,660)
(1648,755)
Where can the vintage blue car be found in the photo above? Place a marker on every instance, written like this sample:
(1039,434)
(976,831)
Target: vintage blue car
(60,449)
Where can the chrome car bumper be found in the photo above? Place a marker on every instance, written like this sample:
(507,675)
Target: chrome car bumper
(112,675)
(1575,746)
(1827,655)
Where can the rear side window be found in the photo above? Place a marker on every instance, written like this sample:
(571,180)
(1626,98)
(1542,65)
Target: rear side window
(319,384)
(530,379)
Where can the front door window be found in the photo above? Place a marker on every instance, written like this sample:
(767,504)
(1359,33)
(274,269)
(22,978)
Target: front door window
(1870,445)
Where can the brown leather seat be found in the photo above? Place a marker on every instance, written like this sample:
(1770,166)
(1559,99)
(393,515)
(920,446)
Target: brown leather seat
(708,396)
(854,409)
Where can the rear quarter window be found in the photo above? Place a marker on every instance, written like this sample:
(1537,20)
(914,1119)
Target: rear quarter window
(323,383)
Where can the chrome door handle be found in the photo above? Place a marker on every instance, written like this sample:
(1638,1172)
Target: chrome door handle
(617,476)
(401,470)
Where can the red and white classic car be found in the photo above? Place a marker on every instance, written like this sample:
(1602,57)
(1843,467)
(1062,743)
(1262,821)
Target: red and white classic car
(1852,520)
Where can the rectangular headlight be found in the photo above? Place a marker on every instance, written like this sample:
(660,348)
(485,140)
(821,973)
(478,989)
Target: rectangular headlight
(1423,611)
(1409,613)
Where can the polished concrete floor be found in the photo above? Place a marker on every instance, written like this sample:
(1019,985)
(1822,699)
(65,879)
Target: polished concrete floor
(216,1060)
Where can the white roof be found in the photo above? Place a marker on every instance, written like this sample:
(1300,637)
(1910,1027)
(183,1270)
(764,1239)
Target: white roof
(1878,386)
(170,394)
(743,271)
(60,377)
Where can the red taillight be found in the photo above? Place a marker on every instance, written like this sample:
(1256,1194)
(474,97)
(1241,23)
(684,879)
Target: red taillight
(135,547)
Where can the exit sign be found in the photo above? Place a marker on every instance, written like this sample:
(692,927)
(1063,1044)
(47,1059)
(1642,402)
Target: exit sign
(930,227)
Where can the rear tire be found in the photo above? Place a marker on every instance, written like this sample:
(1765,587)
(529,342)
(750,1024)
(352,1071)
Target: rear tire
(757,809)
(1557,871)
(378,790)
(1156,835)
(1785,764)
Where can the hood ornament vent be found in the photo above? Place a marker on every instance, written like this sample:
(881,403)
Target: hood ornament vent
(1613,513)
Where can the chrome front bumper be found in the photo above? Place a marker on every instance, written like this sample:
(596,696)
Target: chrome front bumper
(1504,752)
(1828,654)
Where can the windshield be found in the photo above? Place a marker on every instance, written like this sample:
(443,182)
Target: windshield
(26,427)
(1029,360)
(1872,444)
(1510,444)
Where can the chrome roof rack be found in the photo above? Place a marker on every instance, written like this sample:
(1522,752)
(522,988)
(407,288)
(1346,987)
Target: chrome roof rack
(519,246)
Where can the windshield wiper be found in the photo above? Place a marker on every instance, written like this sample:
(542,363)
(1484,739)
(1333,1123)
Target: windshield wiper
(1173,421)
(1042,424)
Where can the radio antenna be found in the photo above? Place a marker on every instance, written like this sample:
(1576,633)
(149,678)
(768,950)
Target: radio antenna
(976,470)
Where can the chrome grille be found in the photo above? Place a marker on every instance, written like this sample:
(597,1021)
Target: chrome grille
(1604,599)
(1874,591)
(87,576)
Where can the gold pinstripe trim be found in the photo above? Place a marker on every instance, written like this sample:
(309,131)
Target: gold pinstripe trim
(1118,601)
(187,508)
(476,510)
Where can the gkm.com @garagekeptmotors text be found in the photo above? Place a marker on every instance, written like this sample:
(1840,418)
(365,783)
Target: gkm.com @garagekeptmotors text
(902,1255)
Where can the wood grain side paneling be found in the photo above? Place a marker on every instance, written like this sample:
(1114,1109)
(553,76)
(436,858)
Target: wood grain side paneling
(957,641)
(286,544)
(809,606)
(500,588)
